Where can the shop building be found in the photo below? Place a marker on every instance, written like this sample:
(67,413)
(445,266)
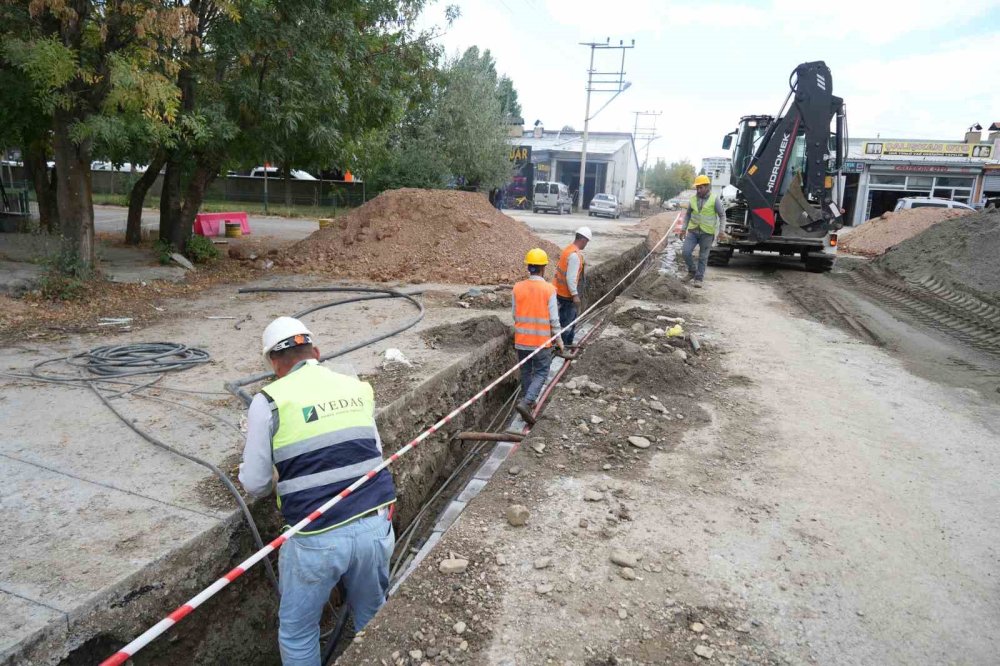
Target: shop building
(612,162)
(879,172)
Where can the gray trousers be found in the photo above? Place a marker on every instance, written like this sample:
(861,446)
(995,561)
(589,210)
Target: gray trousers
(703,242)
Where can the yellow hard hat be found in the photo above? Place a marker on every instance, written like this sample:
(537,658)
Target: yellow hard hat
(702,180)
(536,257)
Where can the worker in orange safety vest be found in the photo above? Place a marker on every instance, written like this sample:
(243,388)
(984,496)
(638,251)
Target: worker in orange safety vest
(536,319)
(569,282)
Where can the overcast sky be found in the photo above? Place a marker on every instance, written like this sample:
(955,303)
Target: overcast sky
(923,69)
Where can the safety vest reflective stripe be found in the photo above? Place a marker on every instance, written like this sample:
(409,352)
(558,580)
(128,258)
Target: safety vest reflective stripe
(532,327)
(561,281)
(531,320)
(703,219)
(321,441)
(329,476)
(326,439)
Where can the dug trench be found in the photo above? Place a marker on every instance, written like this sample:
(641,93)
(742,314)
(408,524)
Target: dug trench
(238,625)
(567,587)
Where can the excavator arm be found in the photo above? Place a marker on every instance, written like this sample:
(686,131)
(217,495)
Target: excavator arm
(805,202)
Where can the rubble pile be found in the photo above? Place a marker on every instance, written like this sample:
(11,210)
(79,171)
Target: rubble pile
(963,250)
(876,236)
(418,236)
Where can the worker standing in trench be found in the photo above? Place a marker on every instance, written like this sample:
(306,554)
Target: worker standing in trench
(569,283)
(701,222)
(536,319)
(310,434)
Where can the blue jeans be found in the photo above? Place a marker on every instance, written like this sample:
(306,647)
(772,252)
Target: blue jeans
(309,568)
(534,372)
(567,313)
(702,241)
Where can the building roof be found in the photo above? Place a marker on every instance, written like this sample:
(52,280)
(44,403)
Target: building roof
(598,143)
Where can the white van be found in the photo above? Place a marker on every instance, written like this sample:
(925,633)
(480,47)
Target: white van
(551,196)
(929,202)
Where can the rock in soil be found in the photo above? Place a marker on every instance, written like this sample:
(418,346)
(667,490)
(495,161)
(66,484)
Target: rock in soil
(517,515)
(704,651)
(639,442)
(623,558)
(453,565)
(592,496)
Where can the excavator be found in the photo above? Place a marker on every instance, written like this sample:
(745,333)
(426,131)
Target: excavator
(786,169)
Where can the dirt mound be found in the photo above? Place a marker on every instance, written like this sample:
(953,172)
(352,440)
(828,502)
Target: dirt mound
(964,250)
(656,226)
(420,236)
(468,333)
(623,363)
(877,235)
(656,286)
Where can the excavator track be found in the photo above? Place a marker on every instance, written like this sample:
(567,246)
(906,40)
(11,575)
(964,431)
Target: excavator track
(934,303)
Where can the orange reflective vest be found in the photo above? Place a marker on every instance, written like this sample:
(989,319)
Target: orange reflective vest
(532,327)
(560,281)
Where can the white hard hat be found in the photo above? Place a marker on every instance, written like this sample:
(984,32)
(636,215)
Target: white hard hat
(285,329)
(585,232)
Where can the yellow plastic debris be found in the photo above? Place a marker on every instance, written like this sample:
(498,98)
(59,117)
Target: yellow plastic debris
(675,331)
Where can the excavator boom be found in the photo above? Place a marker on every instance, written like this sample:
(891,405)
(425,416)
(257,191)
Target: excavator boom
(803,198)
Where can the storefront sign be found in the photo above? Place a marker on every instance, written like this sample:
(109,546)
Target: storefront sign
(852,166)
(520,154)
(929,148)
(923,168)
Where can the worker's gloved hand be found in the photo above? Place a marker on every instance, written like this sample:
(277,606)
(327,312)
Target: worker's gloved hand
(576,299)
(682,234)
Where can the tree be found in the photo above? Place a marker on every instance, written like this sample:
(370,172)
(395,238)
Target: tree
(668,181)
(80,60)
(292,82)
(459,133)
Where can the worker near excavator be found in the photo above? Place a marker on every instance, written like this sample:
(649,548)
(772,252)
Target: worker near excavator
(701,224)
(536,320)
(310,434)
(569,283)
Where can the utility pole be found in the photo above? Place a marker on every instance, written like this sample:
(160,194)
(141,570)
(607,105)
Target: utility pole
(645,133)
(609,82)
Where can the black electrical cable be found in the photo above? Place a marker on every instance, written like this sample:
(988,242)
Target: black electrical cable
(110,363)
(236,387)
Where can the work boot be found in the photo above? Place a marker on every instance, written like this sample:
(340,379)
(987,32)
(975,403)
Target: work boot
(688,277)
(524,409)
(698,284)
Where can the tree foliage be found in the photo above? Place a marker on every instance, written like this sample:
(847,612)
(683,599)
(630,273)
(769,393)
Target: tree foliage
(458,135)
(667,181)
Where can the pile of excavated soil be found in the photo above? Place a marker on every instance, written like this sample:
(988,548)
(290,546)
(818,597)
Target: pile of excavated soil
(622,363)
(657,286)
(417,236)
(964,250)
(468,333)
(877,235)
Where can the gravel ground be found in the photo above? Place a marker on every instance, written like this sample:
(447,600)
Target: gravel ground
(818,503)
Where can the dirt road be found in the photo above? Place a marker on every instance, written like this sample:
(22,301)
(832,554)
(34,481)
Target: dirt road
(821,501)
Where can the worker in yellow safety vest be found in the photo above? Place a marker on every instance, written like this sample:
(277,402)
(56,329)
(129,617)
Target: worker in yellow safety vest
(701,225)
(310,434)
(536,319)
(569,282)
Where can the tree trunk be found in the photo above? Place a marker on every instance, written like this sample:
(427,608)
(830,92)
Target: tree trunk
(170,204)
(73,193)
(204,173)
(137,197)
(45,187)
(287,173)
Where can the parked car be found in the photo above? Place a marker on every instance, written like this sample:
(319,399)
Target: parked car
(126,167)
(605,205)
(274,172)
(929,202)
(551,196)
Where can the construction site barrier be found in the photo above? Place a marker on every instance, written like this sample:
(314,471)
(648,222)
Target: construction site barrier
(213,224)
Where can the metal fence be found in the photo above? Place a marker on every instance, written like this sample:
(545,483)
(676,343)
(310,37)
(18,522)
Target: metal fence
(275,191)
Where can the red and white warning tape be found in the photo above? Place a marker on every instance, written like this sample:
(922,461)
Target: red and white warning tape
(184,610)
